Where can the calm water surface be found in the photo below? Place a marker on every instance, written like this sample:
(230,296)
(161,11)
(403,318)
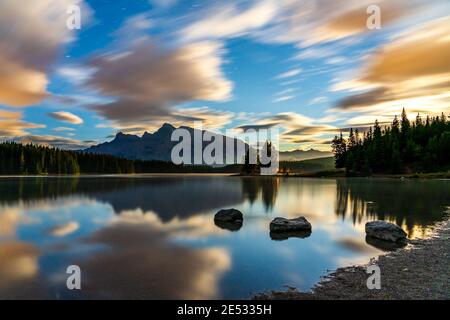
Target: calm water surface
(154,236)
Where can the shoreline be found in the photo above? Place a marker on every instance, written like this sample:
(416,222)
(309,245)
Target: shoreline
(418,271)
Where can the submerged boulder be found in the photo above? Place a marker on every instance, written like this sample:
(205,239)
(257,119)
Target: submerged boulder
(385,231)
(229,215)
(288,225)
(230,226)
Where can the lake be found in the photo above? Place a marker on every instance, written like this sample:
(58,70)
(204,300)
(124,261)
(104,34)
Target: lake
(154,237)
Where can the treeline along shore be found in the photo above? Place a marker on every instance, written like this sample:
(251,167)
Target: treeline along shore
(30,159)
(400,147)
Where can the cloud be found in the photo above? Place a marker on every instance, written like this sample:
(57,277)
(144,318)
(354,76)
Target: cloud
(318,100)
(10,217)
(18,266)
(314,53)
(20,86)
(297,129)
(12,115)
(64,229)
(157,80)
(210,118)
(283,98)
(307,23)
(61,129)
(411,71)
(289,74)
(75,74)
(303,23)
(65,116)
(30,41)
(55,141)
(310,130)
(145,265)
(12,125)
(228,20)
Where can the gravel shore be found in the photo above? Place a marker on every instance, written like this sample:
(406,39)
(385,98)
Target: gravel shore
(419,271)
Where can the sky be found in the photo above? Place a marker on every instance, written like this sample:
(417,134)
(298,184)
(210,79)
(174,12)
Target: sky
(309,68)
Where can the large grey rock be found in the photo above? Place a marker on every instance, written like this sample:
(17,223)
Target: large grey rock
(385,231)
(286,225)
(229,215)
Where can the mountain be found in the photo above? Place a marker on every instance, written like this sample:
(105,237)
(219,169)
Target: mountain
(157,145)
(299,155)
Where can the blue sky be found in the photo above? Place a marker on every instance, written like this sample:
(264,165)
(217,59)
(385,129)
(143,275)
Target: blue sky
(310,68)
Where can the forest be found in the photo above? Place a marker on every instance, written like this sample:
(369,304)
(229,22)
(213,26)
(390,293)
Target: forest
(403,146)
(30,159)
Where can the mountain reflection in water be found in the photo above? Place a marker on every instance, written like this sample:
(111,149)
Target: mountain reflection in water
(154,237)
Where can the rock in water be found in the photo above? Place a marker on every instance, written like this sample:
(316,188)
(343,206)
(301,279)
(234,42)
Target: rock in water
(229,215)
(286,225)
(385,231)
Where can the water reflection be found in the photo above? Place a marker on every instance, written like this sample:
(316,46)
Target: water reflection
(230,226)
(280,236)
(155,236)
(155,269)
(412,204)
(266,187)
(385,245)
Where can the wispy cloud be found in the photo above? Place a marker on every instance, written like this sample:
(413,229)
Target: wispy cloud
(61,129)
(283,98)
(55,141)
(318,100)
(65,116)
(289,74)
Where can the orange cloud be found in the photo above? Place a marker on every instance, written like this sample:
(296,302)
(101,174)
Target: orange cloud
(20,86)
(30,41)
(12,125)
(411,71)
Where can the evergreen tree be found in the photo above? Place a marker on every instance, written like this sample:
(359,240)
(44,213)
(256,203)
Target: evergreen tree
(401,147)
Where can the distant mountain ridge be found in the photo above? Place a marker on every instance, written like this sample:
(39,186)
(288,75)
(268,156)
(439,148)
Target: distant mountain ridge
(158,146)
(299,155)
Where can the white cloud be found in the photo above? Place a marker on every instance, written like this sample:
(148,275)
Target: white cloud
(229,20)
(289,74)
(318,100)
(283,98)
(75,74)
